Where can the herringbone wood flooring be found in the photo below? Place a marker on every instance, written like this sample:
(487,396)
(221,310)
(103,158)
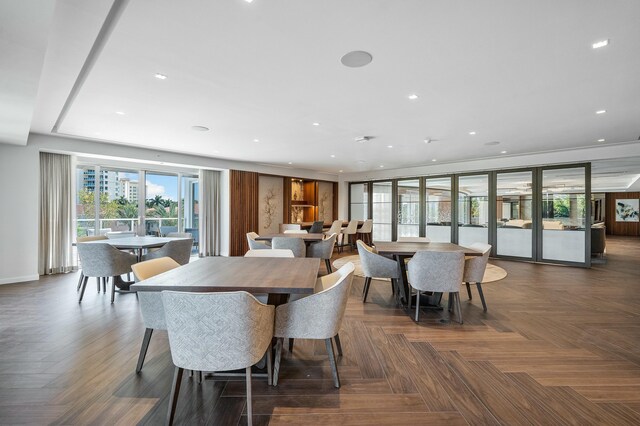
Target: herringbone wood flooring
(557,346)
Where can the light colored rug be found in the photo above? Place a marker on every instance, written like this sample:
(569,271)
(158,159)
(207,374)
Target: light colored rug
(492,273)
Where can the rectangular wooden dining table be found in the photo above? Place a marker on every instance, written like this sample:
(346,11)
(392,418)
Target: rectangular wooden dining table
(401,251)
(279,277)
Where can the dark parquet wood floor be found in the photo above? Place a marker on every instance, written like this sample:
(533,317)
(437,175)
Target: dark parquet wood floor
(558,346)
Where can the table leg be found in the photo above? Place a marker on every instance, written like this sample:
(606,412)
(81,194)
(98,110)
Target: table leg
(403,282)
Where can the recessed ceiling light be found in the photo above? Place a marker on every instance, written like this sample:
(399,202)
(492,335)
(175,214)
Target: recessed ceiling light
(200,128)
(413,96)
(503,152)
(120,112)
(290,162)
(161,76)
(472,133)
(434,160)
(256,140)
(249,1)
(381,165)
(600,44)
(389,146)
(333,156)
(315,124)
(492,143)
(602,111)
(340,171)
(356,59)
(600,140)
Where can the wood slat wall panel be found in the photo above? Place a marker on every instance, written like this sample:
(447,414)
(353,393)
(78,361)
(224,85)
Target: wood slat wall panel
(631,229)
(244,210)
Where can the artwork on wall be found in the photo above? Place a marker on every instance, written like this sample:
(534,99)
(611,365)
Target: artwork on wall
(270,198)
(627,210)
(325,201)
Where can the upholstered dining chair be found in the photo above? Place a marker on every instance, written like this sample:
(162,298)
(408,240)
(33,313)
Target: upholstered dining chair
(254,244)
(216,332)
(439,272)
(349,234)
(269,253)
(287,226)
(296,245)
(365,231)
(85,240)
(323,249)
(178,250)
(295,231)
(474,267)
(413,239)
(150,301)
(336,228)
(316,227)
(318,316)
(376,266)
(103,260)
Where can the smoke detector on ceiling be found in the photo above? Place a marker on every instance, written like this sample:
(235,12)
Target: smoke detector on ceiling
(363,139)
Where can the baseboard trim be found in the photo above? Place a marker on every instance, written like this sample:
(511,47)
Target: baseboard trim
(15,280)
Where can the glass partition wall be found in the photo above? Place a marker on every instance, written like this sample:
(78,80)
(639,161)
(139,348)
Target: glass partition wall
(537,213)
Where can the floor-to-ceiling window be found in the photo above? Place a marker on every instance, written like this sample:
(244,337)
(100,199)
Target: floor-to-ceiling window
(119,199)
(473,209)
(161,214)
(438,208)
(85,201)
(408,208)
(514,233)
(358,201)
(189,205)
(382,203)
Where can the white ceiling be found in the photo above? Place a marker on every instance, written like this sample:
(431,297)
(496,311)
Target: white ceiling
(521,73)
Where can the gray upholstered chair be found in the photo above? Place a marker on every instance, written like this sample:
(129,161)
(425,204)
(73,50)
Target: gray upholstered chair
(85,240)
(179,235)
(414,239)
(287,226)
(376,266)
(316,227)
(216,332)
(150,301)
(349,233)
(178,250)
(365,231)
(295,231)
(439,272)
(296,245)
(323,250)
(256,245)
(317,316)
(103,260)
(269,253)
(474,267)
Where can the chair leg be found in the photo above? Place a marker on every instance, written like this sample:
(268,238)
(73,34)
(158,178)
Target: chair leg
(332,361)
(417,305)
(367,283)
(457,297)
(200,377)
(104,284)
(113,289)
(98,283)
(450,302)
(173,398)
(143,349)
(338,345)
(393,286)
(469,291)
(291,344)
(484,305)
(80,281)
(327,263)
(276,364)
(249,408)
(269,366)
(84,286)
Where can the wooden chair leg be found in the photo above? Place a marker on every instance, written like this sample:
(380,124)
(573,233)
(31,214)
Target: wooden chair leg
(80,281)
(143,349)
(457,297)
(173,398)
(327,263)
(113,289)
(249,407)
(84,286)
(338,345)
(291,344)
(469,291)
(367,284)
(479,287)
(332,361)
(276,364)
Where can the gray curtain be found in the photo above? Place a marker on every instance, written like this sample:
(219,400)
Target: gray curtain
(209,213)
(56,218)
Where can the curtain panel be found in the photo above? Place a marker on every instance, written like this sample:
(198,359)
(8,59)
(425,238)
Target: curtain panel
(56,214)
(209,213)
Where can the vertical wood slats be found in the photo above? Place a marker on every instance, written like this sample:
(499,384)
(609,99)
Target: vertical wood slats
(619,228)
(244,210)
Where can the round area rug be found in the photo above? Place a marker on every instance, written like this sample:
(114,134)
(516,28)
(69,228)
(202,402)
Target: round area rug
(492,273)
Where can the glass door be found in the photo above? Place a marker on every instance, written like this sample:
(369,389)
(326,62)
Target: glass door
(514,214)
(473,209)
(409,208)
(358,201)
(382,203)
(438,209)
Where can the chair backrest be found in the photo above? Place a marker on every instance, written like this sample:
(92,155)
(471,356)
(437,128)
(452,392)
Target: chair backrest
(295,231)
(319,315)
(336,227)
(376,266)
(269,253)
(103,260)
(413,239)
(217,331)
(325,282)
(179,235)
(366,227)
(436,271)
(194,234)
(91,238)
(351,228)
(150,301)
(316,228)
(120,234)
(323,249)
(256,245)
(296,245)
(474,266)
(285,226)
(178,250)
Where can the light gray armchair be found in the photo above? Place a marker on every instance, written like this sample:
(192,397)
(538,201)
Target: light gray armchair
(103,260)
(323,250)
(86,240)
(178,250)
(474,267)
(216,332)
(296,245)
(318,316)
(376,266)
(439,272)
(256,245)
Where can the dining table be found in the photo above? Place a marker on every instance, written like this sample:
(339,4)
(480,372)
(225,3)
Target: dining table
(400,251)
(139,244)
(278,277)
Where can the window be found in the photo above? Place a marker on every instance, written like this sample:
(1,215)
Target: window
(359,201)
(438,209)
(382,215)
(408,208)
(161,204)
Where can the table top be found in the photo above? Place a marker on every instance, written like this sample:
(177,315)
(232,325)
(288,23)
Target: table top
(306,237)
(307,225)
(251,274)
(136,242)
(409,249)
